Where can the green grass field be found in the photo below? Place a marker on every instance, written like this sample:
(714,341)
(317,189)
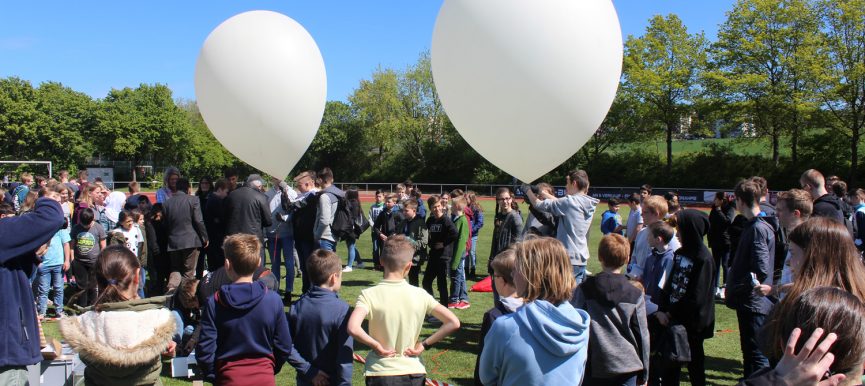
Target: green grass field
(453,359)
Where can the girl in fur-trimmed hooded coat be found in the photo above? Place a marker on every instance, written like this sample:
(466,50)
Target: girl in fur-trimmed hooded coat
(121,338)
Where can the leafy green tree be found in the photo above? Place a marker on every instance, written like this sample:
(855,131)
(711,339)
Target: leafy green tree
(201,153)
(18,114)
(377,105)
(662,69)
(760,66)
(64,125)
(842,71)
(142,124)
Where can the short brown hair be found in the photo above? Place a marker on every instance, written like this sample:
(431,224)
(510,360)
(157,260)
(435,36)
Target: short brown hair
(133,187)
(663,230)
(325,175)
(396,253)
(221,183)
(614,251)
(187,294)
(797,199)
(657,204)
(391,197)
(503,264)
(580,177)
(244,253)
(545,264)
(412,204)
(432,200)
(749,192)
(321,264)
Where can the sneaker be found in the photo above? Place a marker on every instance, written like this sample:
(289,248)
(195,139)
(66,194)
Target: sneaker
(433,320)
(59,315)
(347,268)
(463,305)
(360,266)
(454,305)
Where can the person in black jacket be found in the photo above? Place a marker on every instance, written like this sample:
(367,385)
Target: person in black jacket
(413,226)
(825,203)
(442,235)
(385,225)
(720,218)
(688,297)
(186,232)
(214,222)
(303,219)
(247,210)
(752,266)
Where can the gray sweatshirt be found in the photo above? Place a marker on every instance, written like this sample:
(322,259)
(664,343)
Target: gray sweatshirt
(327,204)
(575,213)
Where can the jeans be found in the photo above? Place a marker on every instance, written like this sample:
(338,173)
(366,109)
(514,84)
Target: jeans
(352,251)
(750,324)
(720,255)
(437,269)
(327,245)
(376,251)
(142,280)
(50,278)
(281,249)
(473,255)
(304,249)
(580,273)
(458,282)
(182,330)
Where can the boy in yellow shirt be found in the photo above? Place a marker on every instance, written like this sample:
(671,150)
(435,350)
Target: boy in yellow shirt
(396,311)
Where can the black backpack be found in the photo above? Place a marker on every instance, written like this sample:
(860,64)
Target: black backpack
(343,222)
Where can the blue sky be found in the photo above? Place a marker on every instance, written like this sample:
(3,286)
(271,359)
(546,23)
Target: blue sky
(95,46)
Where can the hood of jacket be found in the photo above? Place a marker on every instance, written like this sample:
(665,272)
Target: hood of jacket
(693,226)
(242,296)
(132,334)
(832,199)
(562,330)
(610,289)
(588,204)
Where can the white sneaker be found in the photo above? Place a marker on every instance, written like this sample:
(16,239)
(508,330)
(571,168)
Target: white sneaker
(347,269)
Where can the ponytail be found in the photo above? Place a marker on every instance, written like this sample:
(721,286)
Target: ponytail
(115,274)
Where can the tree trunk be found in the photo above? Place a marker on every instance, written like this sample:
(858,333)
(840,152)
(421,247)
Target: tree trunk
(775,143)
(670,127)
(854,157)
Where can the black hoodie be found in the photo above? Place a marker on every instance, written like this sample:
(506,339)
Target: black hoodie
(829,205)
(689,294)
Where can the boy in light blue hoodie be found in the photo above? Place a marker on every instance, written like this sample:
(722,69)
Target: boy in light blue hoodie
(544,342)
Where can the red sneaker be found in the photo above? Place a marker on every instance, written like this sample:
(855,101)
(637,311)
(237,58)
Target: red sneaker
(454,305)
(463,305)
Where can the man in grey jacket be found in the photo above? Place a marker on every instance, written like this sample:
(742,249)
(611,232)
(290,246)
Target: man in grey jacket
(574,211)
(328,202)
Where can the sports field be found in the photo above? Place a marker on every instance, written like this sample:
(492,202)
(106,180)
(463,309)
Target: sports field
(453,359)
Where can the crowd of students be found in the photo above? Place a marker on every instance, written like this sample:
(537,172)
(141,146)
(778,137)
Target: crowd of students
(187,274)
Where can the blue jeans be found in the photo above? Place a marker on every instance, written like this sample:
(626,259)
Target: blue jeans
(458,282)
(580,273)
(327,245)
(182,330)
(50,278)
(376,251)
(304,249)
(750,324)
(473,255)
(352,251)
(281,248)
(142,279)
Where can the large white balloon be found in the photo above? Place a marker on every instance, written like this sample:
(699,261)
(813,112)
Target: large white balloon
(261,88)
(527,83)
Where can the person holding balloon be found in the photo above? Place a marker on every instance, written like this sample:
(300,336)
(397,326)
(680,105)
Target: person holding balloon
(574,211)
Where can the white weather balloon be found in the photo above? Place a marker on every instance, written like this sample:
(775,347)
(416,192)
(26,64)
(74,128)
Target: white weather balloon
(527,83)
(261,88)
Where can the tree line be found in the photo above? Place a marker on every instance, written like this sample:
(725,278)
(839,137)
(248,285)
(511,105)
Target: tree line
(790,72)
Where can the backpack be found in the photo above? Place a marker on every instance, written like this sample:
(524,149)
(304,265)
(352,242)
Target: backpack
(343,222)
(361,224)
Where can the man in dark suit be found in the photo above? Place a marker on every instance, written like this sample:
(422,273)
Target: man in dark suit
(247,210)
(186,233)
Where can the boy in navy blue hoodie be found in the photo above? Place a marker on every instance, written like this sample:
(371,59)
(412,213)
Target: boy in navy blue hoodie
(244,331)
(22,236)
(318,322)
